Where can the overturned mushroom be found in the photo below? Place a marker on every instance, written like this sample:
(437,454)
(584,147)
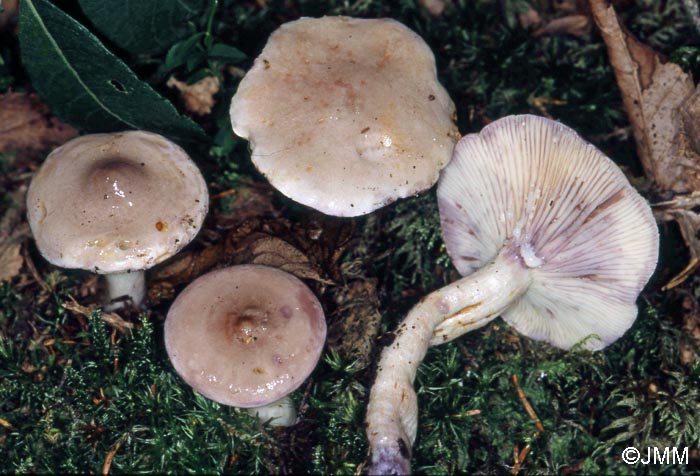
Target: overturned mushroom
(345,115)
(247,336)
(116,204)
(550,236)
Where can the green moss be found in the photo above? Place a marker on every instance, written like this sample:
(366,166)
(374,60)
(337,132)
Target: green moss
(71,388)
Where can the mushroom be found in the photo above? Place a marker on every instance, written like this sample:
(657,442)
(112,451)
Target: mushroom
(246,336)
(116,204)
(548,233)
(345,115)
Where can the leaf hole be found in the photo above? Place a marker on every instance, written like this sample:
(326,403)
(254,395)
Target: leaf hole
(117,85)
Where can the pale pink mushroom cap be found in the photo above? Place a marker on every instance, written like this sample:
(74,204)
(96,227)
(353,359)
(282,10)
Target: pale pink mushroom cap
(245,336)
(112,203)
(588,237)
(345,115)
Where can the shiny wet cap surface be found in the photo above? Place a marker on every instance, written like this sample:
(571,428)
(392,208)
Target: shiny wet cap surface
(245,335)
(116,202)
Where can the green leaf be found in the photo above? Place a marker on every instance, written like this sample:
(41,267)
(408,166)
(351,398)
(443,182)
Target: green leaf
(226,53)
(181,51)
(142,26)
(86,84)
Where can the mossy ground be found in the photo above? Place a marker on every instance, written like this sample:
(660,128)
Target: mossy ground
(74,391)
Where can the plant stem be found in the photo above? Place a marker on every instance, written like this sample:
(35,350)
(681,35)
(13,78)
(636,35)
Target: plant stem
(208,38)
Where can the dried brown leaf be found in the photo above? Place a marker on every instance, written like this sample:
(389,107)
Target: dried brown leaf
(28,128)
(198,97)
(271,242)
(13,231)
(272,251)
(654,93)
(355,325)
(10,260)
(663,107)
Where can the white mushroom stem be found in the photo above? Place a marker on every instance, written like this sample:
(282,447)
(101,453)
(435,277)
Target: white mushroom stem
(460,307)
(282,412)
(131,284)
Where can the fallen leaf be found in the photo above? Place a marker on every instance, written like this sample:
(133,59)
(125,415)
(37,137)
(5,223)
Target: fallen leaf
(266,241)
(13,231)
(663,107)
(653,92)
(27,127)
(272,251)
(355,323)
(10,260)
(198,97)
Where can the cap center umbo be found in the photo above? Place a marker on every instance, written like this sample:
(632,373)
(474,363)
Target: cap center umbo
(246,326)
(116,181)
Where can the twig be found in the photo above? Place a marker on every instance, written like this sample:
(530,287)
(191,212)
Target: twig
(683,275)
(682,209)
(520,458)
(111,454)
(35,274)
(541,104)
(110,318)
(528,408)
(225,193)
(304,405)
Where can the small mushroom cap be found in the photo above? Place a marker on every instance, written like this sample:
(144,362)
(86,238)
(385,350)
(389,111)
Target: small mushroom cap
(116,202)
(246,335)
(345,115)
(589,239)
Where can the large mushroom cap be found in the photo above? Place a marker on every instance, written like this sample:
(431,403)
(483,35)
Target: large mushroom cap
(345,115)
(116,202)
(588,237)
(245,335)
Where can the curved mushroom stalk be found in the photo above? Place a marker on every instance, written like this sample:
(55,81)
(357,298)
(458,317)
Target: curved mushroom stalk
(131,284)
(282,412)
(467,304)
(549,234)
